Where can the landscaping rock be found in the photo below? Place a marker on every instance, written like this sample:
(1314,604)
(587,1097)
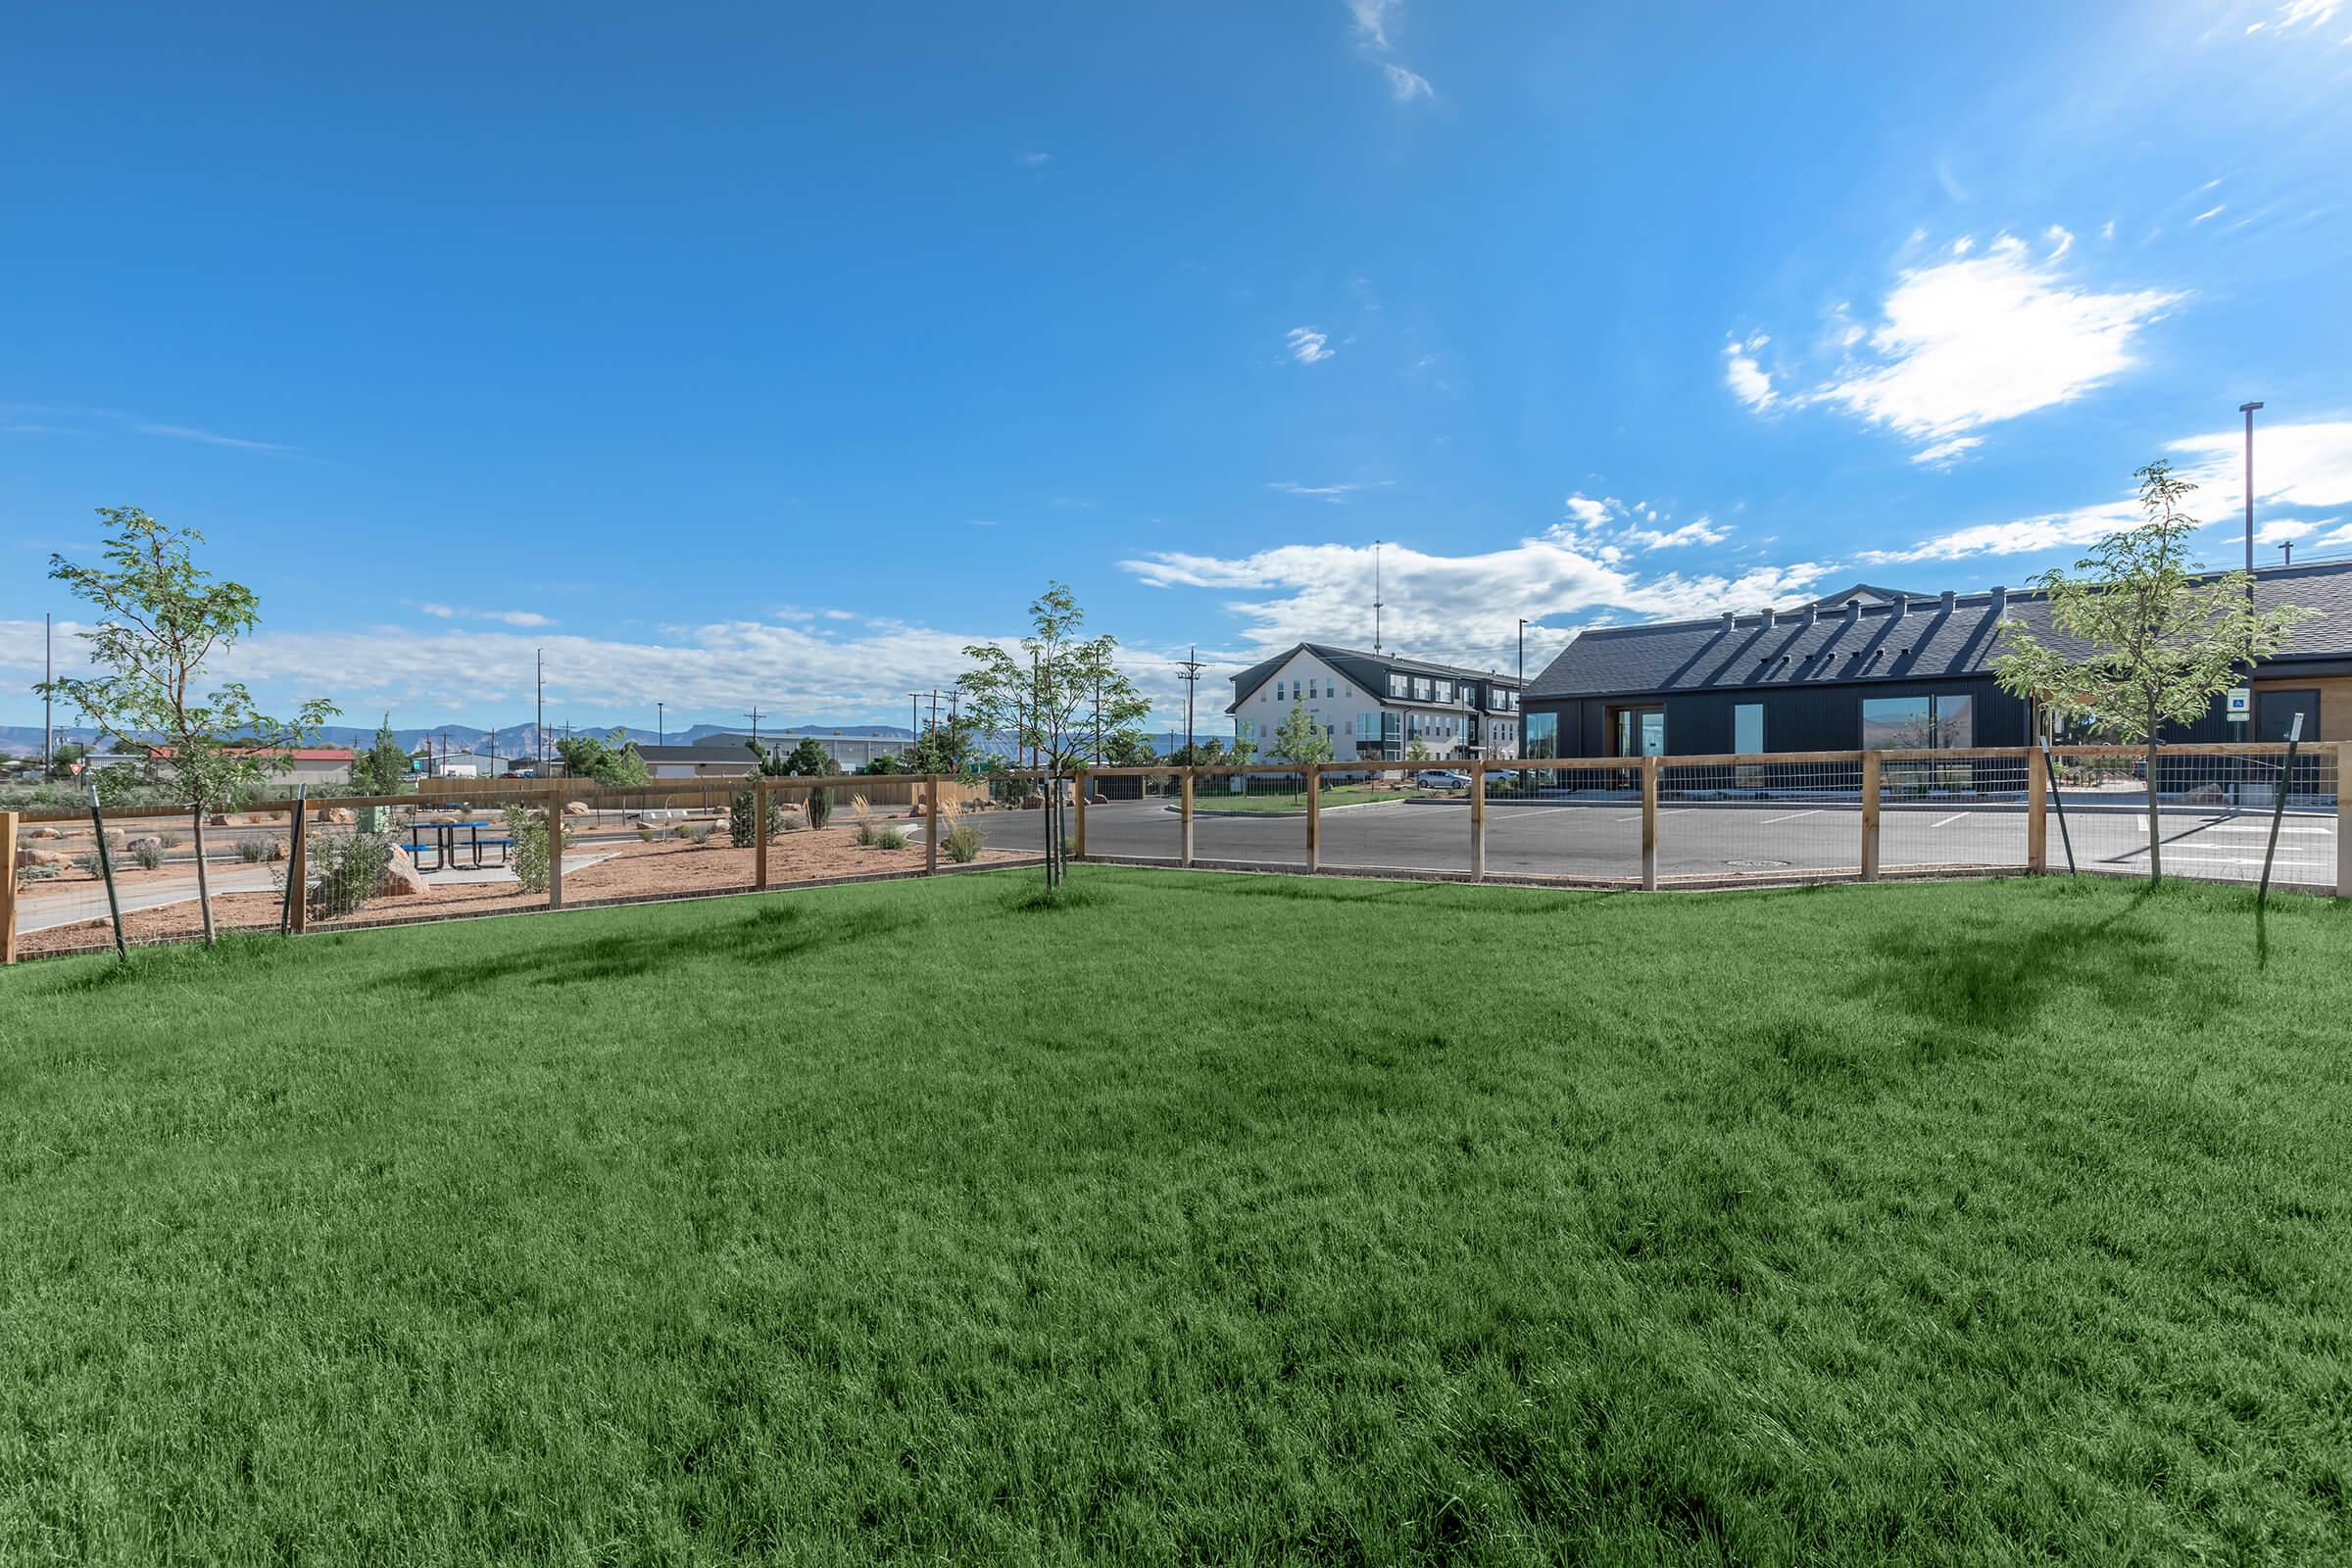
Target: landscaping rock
(45,858)
(2204,795)
(216,819)
(339,815)
(144,841)
(46,832)
(402,879)
(576,807)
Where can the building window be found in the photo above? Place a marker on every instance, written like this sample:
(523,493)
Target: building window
(1311,684)
(1421,688)
(1543,735)
(1445,690)
(1747,728)
(1919,724)
(1395,684)
(1278,691)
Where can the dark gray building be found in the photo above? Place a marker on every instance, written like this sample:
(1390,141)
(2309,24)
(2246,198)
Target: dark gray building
(1874,667)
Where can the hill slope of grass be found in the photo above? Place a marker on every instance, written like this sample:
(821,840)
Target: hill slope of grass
(1212,1218)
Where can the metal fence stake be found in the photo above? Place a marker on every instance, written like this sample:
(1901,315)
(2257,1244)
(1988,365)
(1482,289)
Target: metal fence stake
(1871,791)
(106,868)
(555,846)
(297,868)
(931,825)
(1086,787)
(1650,824)
(2287,779)
(2049,766)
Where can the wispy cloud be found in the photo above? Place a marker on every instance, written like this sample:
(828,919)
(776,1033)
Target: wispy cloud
(1608,528)
(1037,160)
(2298,14)
(1974,340)
(1307,346)
(182,432)
(1745,376)
(2210,212)
(1335,493)
(1371,20)
(504,618)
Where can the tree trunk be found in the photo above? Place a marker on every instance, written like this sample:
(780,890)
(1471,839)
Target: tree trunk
(204,882)
(2155,835)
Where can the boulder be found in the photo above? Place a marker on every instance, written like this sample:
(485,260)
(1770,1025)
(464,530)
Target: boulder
(2204,795)
(402,880)
(216,819)
(145,841)
(339,815)
(45,858)
(576,807)
(277,849)
(44,831)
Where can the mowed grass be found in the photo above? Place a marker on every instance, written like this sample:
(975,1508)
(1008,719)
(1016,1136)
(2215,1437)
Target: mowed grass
(1212,1219)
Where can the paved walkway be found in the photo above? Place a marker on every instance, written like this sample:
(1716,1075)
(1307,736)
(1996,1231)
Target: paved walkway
(38,910)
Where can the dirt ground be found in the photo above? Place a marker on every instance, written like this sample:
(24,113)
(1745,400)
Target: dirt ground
(635,869)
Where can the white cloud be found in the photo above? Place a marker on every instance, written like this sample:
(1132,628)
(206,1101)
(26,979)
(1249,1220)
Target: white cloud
(1463,608)
(1372,21)
(1975,340)
(181,432)
(1588,513)
(1306,344)
(504,618)
(2061,241)
(2210,212)
(2299,14)
(1407,85)
(2306,466)
(1701,532)
(2278,533)
(1747,379)
(1334,493)
(1639,525)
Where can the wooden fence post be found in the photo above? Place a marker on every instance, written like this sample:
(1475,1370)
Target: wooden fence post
(1185,835)
(9,823)
(1870,816)
(1314,817)
(1478,821)
(2038,815)
(1651,768)
(555,846)
(2343,820)
(759,831)
(298,867)
(931,825)
(1085,787)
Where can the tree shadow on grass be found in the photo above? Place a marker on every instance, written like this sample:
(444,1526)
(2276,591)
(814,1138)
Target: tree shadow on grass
(771,934)
(1972,982)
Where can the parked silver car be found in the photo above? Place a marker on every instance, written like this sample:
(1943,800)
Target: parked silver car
(1441,778)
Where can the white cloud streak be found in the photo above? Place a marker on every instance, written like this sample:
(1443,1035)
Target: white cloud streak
(1307,346)
(1337,494)
(182,432)
(1745,376)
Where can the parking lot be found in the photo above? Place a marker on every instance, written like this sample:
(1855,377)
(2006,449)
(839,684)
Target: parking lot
(1762,839)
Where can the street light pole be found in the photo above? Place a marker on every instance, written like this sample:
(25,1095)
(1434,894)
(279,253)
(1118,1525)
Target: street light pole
(2248,409)
(660,723)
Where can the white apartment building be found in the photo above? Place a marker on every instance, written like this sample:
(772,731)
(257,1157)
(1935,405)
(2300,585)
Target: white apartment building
(1374,706)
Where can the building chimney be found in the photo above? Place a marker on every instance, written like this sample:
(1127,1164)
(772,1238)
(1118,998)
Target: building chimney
(2001,602)
(1948,597)
(1901,606)
(1767,621)
(1853,610)
(1731,618)
(1812,614)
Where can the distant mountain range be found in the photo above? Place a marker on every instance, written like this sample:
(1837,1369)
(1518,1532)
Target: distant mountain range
(515,740)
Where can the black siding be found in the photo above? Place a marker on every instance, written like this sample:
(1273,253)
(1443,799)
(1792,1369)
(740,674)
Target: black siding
(1796,718)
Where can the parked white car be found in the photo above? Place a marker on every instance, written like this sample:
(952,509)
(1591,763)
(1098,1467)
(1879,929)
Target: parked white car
(1441,778)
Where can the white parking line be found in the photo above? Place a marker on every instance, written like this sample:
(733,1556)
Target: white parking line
(1790,817)
(2262,827)
(1959,816)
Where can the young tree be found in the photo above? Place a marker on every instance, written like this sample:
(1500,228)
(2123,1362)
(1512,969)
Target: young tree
(809,759)
(1417,752)
(1300,741)
(2150,642)
(1038,696)
(161,618)
(382,768)
(1128,748)
(611,761)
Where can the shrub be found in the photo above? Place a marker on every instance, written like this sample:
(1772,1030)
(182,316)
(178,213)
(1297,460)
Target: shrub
(651,834)
(698,833)
(888,837)
(29,872)
(741,810)
(821,806)
(253,851)
(350,868)
(147,854)
(88,863)
(963,846)
(170,841)
(526,825)
(864,816)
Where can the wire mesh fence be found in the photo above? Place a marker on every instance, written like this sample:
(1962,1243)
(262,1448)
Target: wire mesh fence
(1747,818)
(2213,817)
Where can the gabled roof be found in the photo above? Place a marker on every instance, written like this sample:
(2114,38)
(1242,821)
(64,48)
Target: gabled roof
(1928,640)
(1369,672)
(1868,593)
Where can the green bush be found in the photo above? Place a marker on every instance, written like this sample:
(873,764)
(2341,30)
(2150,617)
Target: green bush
(742,809)
(819,808)
(698,833)
(526,825)
(888,837)
(147,854)
(961,845)
(253,851)
(88,863)
(350,868)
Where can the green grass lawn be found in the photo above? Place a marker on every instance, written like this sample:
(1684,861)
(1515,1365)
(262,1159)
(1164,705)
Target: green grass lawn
(1289,800)
(1224,1219)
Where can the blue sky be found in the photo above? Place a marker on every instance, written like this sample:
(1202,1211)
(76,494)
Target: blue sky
(739,355)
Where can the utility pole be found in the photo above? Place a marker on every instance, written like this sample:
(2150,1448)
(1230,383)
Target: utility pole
(48,674)
(754,717)
(1376,596)
(660,723)
(1191,665)
(2248,409)
(539,713)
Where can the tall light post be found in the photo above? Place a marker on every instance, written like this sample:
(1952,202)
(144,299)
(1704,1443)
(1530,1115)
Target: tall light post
(539,710)
(1519,712)
(661,723)
(2248,409)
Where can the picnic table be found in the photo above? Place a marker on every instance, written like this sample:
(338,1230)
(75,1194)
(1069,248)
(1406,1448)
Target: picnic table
(445,843)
